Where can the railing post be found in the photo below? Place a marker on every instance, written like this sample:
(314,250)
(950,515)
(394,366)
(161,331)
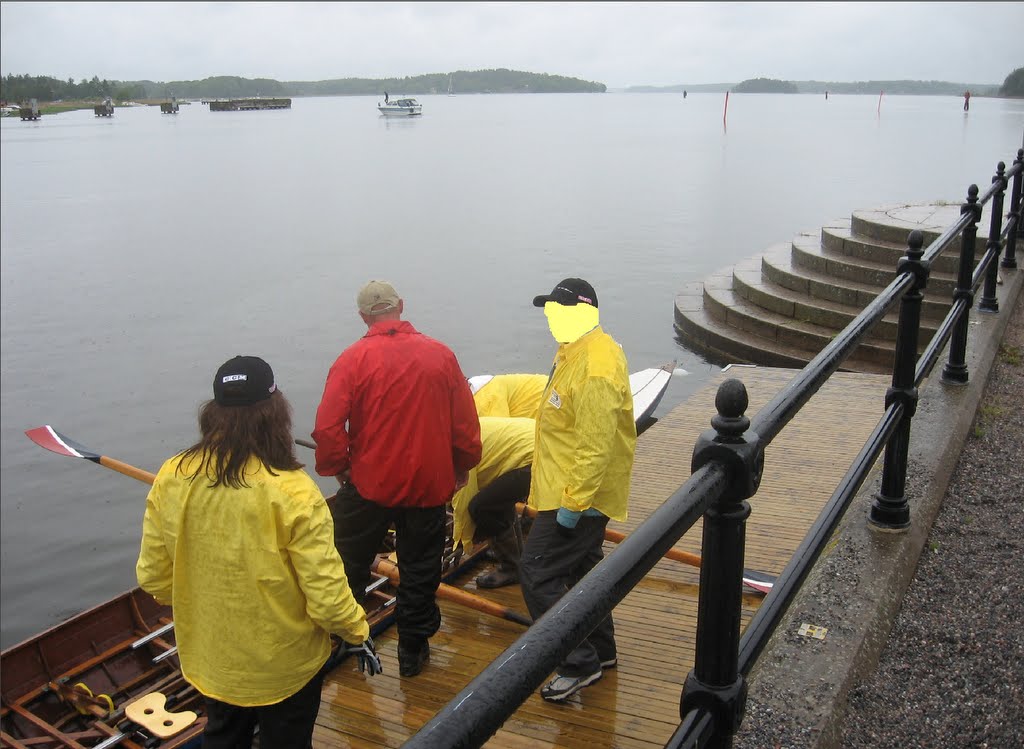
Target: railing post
(989,302)
(715,682)
(1010,258)
(956,368)
(890,510)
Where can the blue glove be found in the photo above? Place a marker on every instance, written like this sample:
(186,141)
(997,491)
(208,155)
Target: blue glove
(566,521)
(369,661)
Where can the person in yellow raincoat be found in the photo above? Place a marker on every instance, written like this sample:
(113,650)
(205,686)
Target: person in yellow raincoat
(582,462)
(485,509)
(508,394)
(238,539)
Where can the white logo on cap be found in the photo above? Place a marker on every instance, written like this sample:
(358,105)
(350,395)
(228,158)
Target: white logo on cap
(234,378)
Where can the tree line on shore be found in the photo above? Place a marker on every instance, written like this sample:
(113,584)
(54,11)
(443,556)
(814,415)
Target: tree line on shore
(17,88)
(46,88)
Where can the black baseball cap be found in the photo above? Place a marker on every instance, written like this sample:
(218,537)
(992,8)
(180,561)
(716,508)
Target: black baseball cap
(243,381)
(569,292)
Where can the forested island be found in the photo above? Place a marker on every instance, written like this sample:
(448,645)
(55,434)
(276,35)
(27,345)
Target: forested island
(1012,86)
(498,81)
(765,86)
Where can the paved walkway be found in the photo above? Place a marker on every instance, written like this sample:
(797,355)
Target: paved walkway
(946,671)
(952,674)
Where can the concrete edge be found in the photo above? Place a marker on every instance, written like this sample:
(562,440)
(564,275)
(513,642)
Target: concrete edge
(799,688)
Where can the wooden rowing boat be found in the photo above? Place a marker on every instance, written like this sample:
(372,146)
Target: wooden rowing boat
(73,685)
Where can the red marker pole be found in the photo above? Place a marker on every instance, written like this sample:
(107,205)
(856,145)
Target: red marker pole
(880,101)
(726,112)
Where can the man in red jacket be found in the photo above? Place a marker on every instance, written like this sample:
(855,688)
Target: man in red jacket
(398,428)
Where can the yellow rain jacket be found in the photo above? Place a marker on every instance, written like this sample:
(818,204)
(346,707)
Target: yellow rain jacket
(511,395)
(254,578)
(586,436)
(507,445)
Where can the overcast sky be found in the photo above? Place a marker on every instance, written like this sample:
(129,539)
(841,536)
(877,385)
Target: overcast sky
(615,43)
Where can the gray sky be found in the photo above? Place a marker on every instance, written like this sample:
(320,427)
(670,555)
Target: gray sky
(616,43)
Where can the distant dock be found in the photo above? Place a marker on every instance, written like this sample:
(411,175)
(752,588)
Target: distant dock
(244,105)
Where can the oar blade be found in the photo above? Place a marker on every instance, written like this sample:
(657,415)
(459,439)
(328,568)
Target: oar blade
(758,581)
(49,438)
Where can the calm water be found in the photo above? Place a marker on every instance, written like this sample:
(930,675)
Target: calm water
(140,252)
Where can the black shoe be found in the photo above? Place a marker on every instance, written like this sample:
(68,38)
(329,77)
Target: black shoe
(411,659)
(499,577)
(608,661)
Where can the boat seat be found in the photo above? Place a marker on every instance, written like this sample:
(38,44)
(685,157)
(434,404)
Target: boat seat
(148,711)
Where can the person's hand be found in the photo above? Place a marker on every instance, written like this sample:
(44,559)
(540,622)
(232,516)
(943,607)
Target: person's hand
(461,479)
(565,522)
(369,661)
(344,477)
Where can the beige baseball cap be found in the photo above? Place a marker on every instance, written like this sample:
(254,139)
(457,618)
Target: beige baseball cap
(377,293)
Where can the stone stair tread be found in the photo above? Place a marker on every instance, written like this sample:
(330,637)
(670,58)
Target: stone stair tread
(781,308)
(845,240)
(731,344)
(811,243)
(860,294)
(765,319)
(931,218)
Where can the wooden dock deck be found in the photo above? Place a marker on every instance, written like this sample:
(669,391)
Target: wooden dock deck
(635,705)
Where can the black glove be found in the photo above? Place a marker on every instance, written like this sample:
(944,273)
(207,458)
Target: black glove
(369,661)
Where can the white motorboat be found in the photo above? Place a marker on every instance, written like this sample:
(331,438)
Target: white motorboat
(400,108)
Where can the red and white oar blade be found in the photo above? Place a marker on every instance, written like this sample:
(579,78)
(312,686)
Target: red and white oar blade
(49,438)
(758,581)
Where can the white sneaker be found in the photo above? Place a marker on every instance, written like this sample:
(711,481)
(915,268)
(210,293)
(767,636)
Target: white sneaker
(562,687)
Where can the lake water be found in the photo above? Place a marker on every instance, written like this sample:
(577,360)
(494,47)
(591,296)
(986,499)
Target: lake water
(142,251)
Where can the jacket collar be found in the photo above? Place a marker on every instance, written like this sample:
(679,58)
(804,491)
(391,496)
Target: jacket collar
(390,327)
(568,351)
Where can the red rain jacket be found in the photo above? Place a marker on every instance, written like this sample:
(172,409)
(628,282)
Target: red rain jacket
(411,420)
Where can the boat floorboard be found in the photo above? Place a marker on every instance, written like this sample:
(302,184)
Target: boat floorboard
(636,705)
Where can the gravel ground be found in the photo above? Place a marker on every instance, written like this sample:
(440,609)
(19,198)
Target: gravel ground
(952,674)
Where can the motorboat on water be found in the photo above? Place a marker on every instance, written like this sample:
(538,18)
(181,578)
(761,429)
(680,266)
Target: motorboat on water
(400,108)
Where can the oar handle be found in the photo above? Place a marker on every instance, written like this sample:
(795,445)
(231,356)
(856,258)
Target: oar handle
(458,596)
(617,537)
(128,470)
(685,557)
(759,581)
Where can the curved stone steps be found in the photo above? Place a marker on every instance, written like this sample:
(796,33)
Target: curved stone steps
(724,304)
(777,267)
(698,330)
(839,238)
(808,253)
(749,282)
(783,307)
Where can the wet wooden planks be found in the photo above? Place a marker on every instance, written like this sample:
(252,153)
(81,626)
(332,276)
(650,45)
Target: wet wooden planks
(636,705)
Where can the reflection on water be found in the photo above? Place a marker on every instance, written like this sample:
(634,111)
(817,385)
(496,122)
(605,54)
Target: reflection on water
(141,251)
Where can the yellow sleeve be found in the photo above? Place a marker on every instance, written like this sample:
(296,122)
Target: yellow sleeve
(464,527)
(321,575)
(595,434)
(155,568)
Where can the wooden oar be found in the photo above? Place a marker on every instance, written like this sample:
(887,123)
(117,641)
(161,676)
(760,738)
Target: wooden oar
(759,581)
(51,439)
(54,441)
(448,592)
(457,595)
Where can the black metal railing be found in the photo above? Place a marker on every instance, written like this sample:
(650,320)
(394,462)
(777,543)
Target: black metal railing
(726,467)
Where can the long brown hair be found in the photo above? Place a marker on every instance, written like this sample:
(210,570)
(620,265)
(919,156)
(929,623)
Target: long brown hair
(230,435)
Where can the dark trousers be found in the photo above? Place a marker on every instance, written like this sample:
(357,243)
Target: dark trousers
(360,527)
(550,566)
(493,509)
(285,725)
